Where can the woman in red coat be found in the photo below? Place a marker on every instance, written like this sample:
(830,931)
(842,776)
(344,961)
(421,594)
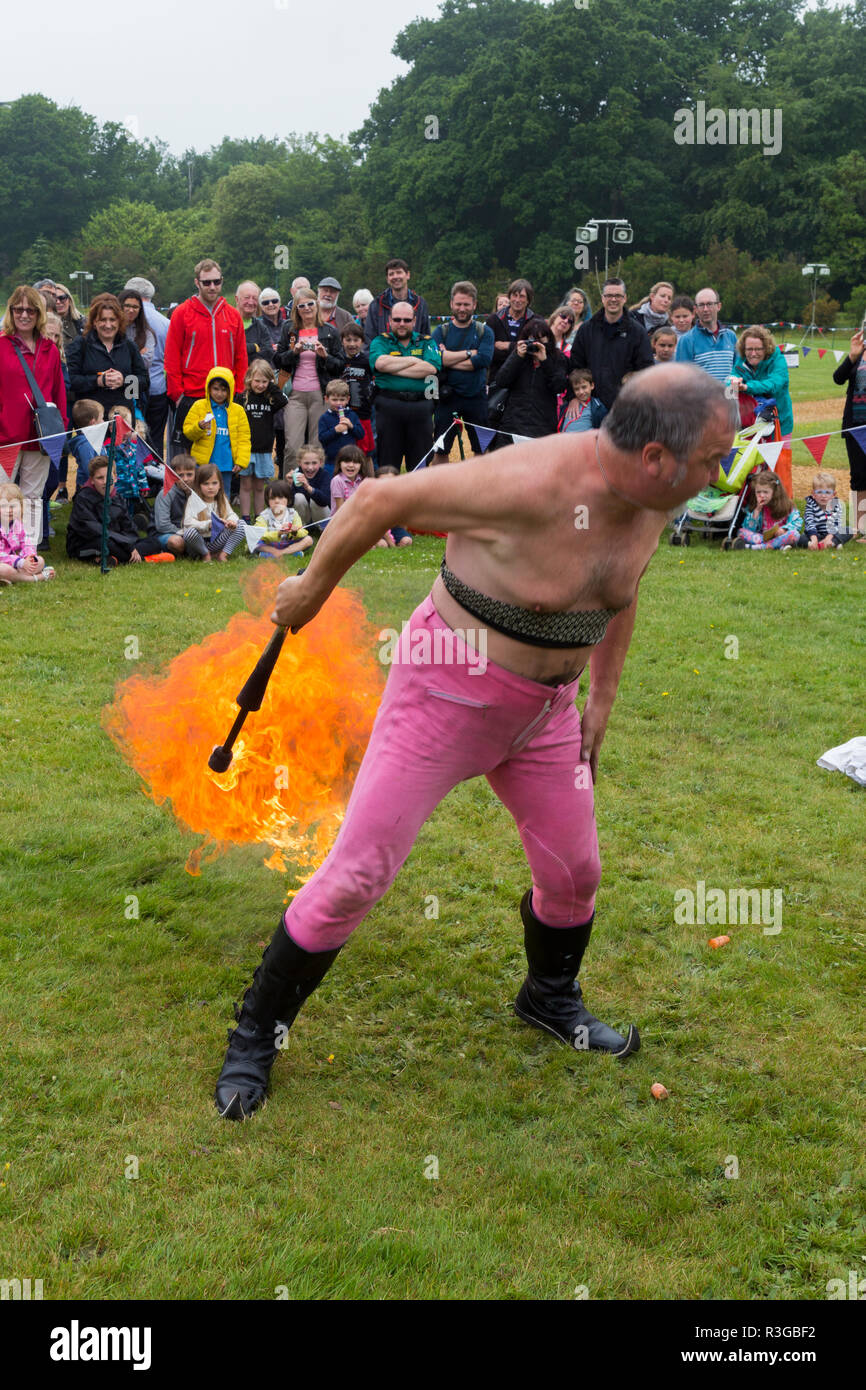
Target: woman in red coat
(23,328)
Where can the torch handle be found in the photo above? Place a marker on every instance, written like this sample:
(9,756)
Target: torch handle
(253,691)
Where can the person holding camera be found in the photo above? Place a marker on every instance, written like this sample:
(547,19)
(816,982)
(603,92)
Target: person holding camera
(535,374)
(311,353)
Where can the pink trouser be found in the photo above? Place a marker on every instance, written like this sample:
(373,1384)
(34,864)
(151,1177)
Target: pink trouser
(440,724)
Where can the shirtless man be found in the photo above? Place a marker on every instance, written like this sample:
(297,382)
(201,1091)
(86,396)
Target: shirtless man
(538,581)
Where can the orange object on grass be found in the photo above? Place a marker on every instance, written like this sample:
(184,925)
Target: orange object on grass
(716,941)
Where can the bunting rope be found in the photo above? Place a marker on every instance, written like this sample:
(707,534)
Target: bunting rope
(859,432)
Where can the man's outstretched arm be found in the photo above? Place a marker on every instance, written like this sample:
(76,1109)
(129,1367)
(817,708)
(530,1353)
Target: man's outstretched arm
(476,495)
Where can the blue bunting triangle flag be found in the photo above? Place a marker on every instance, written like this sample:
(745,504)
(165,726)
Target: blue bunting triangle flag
(484,437)
(859,433)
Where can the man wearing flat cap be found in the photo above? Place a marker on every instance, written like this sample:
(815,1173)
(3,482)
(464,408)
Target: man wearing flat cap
(329,291)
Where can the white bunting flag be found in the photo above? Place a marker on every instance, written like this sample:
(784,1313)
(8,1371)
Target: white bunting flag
(253,535)
(95,434)
(838,355)
(770,453)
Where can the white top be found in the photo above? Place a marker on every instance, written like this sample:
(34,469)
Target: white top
(194,506)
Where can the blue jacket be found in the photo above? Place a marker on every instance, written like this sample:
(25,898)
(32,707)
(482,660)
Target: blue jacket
(332,442)
(454,339)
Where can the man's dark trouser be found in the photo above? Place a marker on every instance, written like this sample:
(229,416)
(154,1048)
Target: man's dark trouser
(472,410)
(178,442)
(155,417)
(405,429)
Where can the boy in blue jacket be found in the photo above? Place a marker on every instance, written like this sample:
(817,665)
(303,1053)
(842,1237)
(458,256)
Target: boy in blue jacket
(583,411)
(338,425)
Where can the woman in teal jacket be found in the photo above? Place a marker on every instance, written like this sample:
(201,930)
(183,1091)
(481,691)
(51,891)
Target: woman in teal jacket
(761,370)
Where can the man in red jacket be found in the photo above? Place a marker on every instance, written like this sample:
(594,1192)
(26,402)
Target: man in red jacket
(204,332)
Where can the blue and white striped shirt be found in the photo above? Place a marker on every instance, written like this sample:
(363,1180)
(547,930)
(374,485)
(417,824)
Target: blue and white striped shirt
(714,352)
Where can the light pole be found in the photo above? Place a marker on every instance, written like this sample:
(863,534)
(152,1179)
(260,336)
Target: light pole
(616,229)
(83,276)
(815,269)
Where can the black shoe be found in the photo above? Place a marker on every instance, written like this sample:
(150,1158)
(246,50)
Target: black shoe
(286,976)
(550,997)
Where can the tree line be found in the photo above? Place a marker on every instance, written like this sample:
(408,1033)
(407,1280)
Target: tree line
(515,123)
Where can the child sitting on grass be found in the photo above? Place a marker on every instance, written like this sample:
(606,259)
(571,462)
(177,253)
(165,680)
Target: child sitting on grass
(170,507)
(312,484)
(216,523)
(263,401)
(18,558)
(338,425)
(285,534)
(583,411)
(351,467)
(825,517)
(84,532)
(771,521)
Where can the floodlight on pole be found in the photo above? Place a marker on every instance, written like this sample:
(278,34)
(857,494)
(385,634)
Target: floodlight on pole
(817,270)
(83,277)
(616,229)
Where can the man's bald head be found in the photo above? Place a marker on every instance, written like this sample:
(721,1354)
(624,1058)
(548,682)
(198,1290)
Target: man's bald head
(672,405)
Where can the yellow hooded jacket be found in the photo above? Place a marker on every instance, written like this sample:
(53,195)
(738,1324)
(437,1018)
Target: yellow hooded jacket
(239,425)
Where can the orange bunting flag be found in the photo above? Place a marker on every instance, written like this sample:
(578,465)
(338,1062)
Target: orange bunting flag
(816,446)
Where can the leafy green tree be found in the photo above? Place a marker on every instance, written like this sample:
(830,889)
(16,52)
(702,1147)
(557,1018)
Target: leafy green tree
(45,173)
(842,220)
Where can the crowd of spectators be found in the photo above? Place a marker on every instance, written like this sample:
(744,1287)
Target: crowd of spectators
(268,403)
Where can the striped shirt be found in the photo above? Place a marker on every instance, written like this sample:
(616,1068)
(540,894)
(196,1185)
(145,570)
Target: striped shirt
(821,523)
(714,352)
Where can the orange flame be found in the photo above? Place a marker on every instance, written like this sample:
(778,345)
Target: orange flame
(295,759)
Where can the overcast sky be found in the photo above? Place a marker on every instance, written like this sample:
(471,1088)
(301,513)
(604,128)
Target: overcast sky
(190,73)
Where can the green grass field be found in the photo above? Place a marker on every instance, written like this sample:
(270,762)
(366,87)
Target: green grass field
(556,1169)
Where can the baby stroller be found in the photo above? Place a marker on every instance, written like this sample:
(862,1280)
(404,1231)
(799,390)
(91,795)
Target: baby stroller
(716,511)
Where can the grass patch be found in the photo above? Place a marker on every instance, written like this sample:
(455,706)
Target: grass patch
(555,1168)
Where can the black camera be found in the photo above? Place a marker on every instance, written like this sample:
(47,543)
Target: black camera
(532,346)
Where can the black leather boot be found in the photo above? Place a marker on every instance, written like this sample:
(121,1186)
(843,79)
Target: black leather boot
(286,976)
(550,997)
